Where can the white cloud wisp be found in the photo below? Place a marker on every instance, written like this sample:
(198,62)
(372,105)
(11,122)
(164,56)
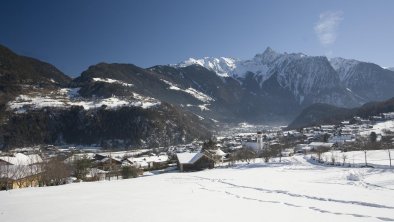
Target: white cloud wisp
(326,27)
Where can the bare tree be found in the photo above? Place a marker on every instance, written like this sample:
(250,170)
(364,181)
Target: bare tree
(387,143)
(130,172)
(319,152)
(6,175)
(34,168)
(20,172)
(344,157)
(364,144)
(283,143)
(333,159)
(55,172)
(243,154)
(267,154)
(272,150)
(208,145)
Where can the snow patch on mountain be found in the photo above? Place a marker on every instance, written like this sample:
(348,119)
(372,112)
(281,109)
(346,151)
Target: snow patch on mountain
(195,93)
(108,80)
(389,68)
(223,66)
(67,97)
(204,107)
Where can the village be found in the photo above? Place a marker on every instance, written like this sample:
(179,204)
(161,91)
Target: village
(354,143)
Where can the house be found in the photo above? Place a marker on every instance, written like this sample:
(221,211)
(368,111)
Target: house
(194,161)
(20,159)
(341,138)
(220,154)
(388,116)
(80,156)
(327,128)
(19,171)
(216,154)
(149,162)
(19,176)
(109,163)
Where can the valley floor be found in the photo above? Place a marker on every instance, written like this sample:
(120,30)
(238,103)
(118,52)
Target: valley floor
(294,190)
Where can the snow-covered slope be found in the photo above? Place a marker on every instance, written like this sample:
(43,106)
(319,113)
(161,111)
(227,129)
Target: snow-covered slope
(309,79)
(67,97)
(223,66)
(344,67)
(293,190)
(366,80)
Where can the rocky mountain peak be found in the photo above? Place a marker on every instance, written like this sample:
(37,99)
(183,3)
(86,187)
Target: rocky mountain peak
(268,56)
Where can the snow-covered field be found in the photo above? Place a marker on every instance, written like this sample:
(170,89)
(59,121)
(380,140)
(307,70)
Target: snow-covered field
(379,128)
(294,190)
(376,158)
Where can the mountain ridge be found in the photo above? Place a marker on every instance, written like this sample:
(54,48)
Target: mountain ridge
(320,114)
(271,88)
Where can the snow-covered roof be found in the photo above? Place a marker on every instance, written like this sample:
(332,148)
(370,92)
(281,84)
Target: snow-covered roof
(157,159)
(188,158)
(22,159)
(315,144)
(109,158)
(219,152)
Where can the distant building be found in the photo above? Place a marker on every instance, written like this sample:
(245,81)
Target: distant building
(149,162)
(388,116)
(256,144)
(345,123)
(327,128)
(194,161)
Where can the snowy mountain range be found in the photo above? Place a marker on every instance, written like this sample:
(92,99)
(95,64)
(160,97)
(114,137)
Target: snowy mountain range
(182,100)
(305,76)
(230,67)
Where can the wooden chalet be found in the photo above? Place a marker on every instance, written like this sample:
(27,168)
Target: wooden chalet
(194,161)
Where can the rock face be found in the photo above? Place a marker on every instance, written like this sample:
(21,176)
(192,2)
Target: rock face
(368,81)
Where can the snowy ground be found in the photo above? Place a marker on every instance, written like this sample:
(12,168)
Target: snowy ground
(295,190)
(375,158)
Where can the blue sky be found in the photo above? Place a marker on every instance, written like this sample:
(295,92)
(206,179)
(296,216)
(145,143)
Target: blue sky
(74,34)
